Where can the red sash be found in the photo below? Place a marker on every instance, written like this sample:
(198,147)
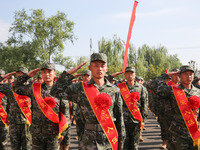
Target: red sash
(132,106)
(3,114)
(187,114)
(47,109)
(103,116)
(170,83)
(24,103)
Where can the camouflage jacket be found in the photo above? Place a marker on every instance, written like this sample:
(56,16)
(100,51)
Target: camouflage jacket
(40,123)
(14,115)
(176,124)
(75,92)
(5,106)
(142,104)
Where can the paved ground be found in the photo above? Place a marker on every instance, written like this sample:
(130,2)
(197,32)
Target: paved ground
(152,139)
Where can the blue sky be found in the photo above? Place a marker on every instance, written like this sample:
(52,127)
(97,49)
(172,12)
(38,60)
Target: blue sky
(174,24)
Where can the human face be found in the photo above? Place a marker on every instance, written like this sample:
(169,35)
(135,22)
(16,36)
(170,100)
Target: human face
(19,73)
(130,76)
(140,81)
(187,77)
(86,77)
(48,75)
(175,78)
(98,69)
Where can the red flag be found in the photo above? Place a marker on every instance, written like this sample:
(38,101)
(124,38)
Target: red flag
(129,36)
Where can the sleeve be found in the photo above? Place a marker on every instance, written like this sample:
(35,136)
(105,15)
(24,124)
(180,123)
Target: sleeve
(20,87)
(144,103)
(159,87)
(1,78)
(64,87)
(119,120)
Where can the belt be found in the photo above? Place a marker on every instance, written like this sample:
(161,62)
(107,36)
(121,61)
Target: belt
(93,127)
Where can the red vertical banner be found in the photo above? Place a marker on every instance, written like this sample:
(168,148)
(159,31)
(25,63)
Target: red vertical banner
(129,36)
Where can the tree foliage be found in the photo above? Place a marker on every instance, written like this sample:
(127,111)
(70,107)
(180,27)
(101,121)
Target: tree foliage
(36,39)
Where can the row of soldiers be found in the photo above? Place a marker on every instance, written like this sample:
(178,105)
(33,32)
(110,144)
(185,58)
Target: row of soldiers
(109,116)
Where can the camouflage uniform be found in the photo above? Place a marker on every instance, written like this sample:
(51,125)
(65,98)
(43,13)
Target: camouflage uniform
(44,132)
(179,136)
(3,129)
(93,136)
(66,140)
(18,129)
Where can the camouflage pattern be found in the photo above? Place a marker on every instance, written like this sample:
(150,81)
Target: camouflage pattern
(2,72)
(98,56)
(49,66)
(130,69)
(20,136)
(22,69)
(132,125)
(92,139)
(16,118)
(80,122)
(3,129)
(178,135)
(86,72)
(66,140)
(44,132)
(186,68)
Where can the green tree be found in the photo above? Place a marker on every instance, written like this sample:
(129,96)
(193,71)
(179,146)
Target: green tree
(45,35)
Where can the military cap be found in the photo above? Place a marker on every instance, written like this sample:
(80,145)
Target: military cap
(167,76)
(22,69)
(185,68)
(2,72)
(174,70)
(98,56)
(86,72)
(130,69)
(39,76)
(49,66)
(139,78)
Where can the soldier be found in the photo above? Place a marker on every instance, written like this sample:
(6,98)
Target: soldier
(100,103)
(64,145)
(140,80)
(47,111)
(132,118)
(39,78)
(19,120)
(183,112)
(3,118)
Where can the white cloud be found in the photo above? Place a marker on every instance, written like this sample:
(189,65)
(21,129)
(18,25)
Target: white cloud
(4,28)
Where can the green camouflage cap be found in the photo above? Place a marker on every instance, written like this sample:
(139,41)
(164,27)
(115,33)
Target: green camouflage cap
(39,76)
(185,68)
(139,78)
(22,69)
(86,72)
(98,56)
(49,66)
(130,69)
(2,72)
(174,70)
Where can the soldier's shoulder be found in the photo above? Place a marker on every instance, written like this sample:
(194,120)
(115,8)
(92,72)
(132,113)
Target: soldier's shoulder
(115,88)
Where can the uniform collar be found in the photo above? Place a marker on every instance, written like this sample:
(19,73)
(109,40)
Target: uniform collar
(107,83)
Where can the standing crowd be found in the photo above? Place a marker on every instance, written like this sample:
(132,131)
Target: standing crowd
(108,113)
